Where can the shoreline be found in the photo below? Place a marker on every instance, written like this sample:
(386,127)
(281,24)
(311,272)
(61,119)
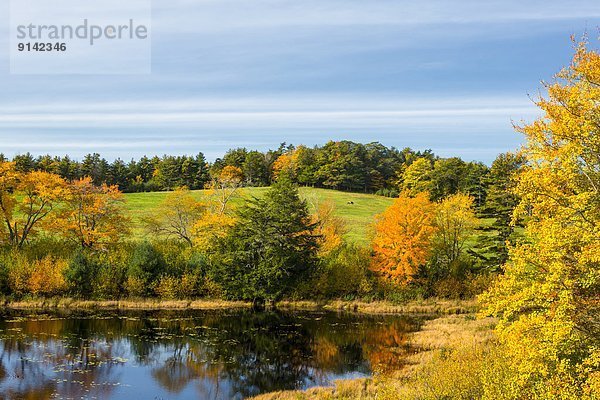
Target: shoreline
(438,339)
(429,306)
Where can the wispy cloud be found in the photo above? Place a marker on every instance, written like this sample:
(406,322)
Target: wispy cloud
(315,112)
(446,75)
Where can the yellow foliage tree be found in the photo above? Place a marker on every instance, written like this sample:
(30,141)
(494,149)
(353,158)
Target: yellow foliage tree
(177,216)
(225,187)
(548,300)
(217,217)
(93,215)
(455,221)
(211,227)
(330,228)
(403,236)
(26,200)
(286,163)
(8,185)
(416,178)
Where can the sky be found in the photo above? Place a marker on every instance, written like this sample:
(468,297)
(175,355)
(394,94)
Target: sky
(451,76)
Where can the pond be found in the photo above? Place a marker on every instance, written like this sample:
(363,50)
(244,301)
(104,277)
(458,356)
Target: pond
(192,354)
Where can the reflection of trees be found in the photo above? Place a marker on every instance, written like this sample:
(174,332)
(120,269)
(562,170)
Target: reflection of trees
(44,357)
(387,347)
(261,352)
(223,354)
(254,353)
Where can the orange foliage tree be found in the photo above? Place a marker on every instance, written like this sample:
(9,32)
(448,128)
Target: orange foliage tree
(286,163)
(403,236)
(93,215)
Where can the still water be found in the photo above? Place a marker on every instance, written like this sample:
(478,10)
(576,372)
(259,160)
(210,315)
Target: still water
(191,354)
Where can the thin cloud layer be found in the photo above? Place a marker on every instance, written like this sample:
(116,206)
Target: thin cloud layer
(226,73)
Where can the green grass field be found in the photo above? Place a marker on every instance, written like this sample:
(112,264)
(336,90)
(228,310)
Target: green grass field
(358,216)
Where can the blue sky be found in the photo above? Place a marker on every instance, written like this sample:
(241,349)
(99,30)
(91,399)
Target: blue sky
(447,75)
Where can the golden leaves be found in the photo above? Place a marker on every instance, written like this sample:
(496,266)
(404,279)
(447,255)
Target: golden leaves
(403,237)
(546,297)
(93,215)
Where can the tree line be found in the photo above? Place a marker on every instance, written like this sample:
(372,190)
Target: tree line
(341,165)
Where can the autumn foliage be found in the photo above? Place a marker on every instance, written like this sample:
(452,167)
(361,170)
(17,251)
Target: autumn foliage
(330,229)
(26,200)
(177,216)
(548,300)
(455,221)
(403,236)
(93,215)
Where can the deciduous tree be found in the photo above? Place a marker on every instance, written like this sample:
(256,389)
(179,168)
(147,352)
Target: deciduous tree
(403,237)
(417,177)
(548,300)
(225,187)
(26,200)
(93,215)
(176,216)
(330,229)
(455,222)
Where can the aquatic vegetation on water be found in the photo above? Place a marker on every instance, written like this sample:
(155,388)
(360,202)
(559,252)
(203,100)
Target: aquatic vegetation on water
(191,354)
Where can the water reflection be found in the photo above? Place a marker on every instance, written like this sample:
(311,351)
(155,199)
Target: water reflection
(208,355)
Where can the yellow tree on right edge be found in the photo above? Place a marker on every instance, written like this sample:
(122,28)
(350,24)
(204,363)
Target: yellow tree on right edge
(548,299)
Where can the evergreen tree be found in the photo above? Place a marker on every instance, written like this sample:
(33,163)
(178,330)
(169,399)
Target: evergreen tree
(270,248)
(24,162)
(500,204)
(255,169)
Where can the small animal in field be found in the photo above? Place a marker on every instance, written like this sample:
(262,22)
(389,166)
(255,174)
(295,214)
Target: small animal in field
(350,202)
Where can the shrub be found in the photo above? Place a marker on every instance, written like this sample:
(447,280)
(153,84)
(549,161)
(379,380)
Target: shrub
(449,288)
(211,289)
(342,272)
(171,287)
(135,287)
(81,274)
(110,280)
(19,272)
(46,276)
(168,287)
(146,265)
(189,285)
(475,284)
(176,256)
(4,287)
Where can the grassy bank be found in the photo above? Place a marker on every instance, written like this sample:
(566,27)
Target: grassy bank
(429,306)
(129,304)
(453,349)
(356,209)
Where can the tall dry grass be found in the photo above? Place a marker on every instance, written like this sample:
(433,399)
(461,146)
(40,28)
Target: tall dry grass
(454,349)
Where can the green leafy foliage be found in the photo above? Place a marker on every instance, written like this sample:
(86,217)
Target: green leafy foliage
(145,267)
(81,274)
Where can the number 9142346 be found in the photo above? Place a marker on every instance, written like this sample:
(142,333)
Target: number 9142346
(42,47)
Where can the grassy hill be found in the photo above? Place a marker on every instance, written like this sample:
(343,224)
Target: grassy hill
(358,216)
